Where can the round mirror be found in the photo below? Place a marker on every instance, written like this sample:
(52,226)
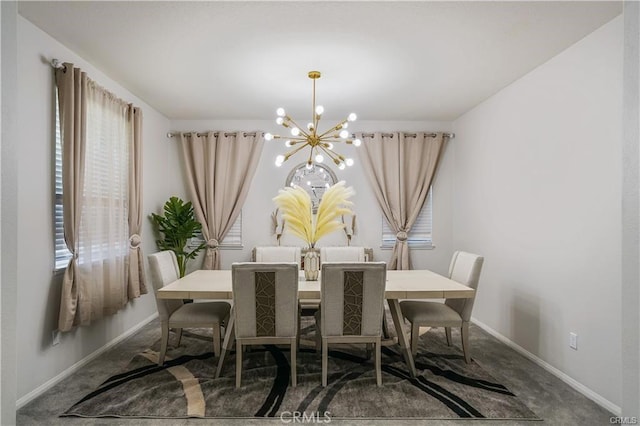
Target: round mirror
(314,180)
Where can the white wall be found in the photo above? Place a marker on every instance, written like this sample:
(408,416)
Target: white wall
(269,178)
(537,192)
(38,287)
(631,214)
(9,213)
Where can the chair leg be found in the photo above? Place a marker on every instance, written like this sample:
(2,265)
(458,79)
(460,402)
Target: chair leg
(325,360)
(447,332)
(216,340)
(415,336)
(165,341)
(178,332)
(385,326)
(294,355)
(464,332)
(238,363)
(299,326)
(378,363)
(318,337)
(227,344)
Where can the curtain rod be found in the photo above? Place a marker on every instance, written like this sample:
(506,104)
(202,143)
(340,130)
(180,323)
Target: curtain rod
(366,135)
(170,135)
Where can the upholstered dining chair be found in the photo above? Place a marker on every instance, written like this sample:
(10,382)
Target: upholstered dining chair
(277,254)
(265,297)
(331,254)
(342,254)
(465,268)
(352,294)
(174,314)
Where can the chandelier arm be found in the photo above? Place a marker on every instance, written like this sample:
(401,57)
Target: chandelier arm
(294,151)
(334,128)
(331,154)
(298,126)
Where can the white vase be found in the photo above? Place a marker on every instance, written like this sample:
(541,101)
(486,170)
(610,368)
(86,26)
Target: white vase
(311,265)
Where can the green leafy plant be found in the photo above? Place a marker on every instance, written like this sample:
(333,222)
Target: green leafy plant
(175,228)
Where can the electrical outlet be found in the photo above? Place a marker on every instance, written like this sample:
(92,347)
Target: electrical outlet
(573,341)
(55,337)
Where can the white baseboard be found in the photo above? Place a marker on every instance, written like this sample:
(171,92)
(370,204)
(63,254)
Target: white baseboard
(75,367)
(594,396)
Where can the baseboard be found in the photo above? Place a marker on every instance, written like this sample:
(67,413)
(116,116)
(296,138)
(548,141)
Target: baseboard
(75,367)
(594,396)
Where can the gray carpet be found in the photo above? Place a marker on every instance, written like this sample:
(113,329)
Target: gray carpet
(446,387)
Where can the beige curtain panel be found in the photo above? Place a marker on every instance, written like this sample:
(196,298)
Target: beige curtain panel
(219,168)
(400,168)
(101,140)
(136,278)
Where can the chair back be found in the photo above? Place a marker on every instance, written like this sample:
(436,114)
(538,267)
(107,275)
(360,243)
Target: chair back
(164,270)
(465,268)
(352,294)
(342,254)
(265,298)
(277,254)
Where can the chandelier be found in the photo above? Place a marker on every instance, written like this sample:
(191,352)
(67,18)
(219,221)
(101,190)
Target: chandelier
(319,143)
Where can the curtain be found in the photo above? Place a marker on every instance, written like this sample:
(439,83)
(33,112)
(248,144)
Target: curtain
(219,168)
(136,277)
(400,168)
(98,131)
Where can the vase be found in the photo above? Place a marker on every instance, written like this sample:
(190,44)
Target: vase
(311,265)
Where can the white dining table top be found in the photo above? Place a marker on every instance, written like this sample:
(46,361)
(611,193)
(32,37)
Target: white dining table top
(411,284)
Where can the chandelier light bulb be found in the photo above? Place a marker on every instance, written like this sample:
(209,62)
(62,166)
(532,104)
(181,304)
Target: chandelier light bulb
(330,146)
(280,112)
(288,143)
(345,125)
(295,131)
(279,160)
(352,117)
(310,126)
(308,183)
(279,120)
(344,134)
(319,109)
(268,136)
(349,162)
(341,166)
(309,165)
(319,158)
(357,142)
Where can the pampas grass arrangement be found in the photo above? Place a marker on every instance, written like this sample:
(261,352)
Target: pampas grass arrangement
(296,207)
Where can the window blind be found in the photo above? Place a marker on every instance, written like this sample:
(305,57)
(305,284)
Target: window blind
(62,254)
(420,234)
(232,239)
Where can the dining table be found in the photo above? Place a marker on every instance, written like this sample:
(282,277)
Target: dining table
(405,284)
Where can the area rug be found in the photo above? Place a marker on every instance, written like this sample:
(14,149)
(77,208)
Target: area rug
(445,387)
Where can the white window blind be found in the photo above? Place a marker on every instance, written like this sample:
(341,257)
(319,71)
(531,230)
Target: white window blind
(233,239)
(420,234)
(62,254)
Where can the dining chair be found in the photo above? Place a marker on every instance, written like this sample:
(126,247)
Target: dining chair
(465,268)
(342,254)
(352,294)
(174,314)
(277,254)
(265,298)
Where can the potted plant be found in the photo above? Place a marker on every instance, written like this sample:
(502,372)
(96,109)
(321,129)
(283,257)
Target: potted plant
(175,228)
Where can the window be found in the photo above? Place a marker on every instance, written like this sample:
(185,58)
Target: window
(420,234)
(62,254)
(103,232)
(233,239)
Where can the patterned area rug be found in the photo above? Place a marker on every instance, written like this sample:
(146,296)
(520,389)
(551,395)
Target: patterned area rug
(446,387)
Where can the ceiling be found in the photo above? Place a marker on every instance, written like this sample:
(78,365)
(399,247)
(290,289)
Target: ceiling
(383,60)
